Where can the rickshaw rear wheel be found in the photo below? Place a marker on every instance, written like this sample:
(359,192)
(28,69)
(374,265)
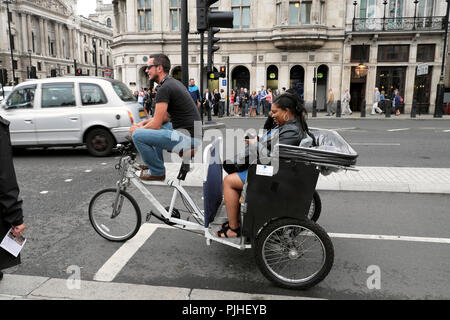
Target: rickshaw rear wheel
(316,207)
(294,254)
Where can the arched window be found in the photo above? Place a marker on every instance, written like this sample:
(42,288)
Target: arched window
(108,22)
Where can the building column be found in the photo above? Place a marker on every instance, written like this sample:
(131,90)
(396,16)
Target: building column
(57,40)
(24,33)
(47,49)
(29,32)
(284,76)
(71,44)
(309,85)
(41,36)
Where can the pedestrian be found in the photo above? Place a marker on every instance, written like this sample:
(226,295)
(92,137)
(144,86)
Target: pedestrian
(376,100)
(268,102)
(208,103)
(148,102)
(153,98)
(253,104)
(233,100)
(222,103)
(216,102)
(330,103)
(263,101)
(397,101)
(11,214)
(258,109)
(346,103)
(246,100)
(174,125)
(195,93)
(242,102)
(141,96)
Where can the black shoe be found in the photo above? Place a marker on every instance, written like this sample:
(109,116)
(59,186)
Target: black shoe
(1,275)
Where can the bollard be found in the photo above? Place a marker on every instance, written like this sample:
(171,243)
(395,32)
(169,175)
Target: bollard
(363,109)
(388,106)
(338,109)
(314,110)
(414,109)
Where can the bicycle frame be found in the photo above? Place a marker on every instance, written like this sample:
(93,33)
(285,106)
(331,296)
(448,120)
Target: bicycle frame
(128,168)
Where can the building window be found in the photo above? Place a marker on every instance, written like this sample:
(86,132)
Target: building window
(108,22)
(395,8)
(107,60)
(367,9)
(426,52)
(33,41)
(241,12)
(175,15)
(425,8)
(145,15)
(360,53)
(101,59)
(393,53)
(85,39)
(39,65)
(322,12)
(279,12)
(300,12)
(85,57)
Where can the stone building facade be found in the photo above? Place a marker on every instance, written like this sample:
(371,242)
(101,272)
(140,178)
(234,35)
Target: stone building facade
(49,38)
(103,13)
(285,43)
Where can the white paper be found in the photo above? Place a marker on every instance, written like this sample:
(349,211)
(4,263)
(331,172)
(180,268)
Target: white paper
(264,171)
(13,244)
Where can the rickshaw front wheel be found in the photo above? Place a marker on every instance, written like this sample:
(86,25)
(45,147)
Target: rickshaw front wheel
(294,254)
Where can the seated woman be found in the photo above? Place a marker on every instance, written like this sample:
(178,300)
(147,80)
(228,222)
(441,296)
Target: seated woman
(289,116)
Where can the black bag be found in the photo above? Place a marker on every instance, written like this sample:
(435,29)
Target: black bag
(240,163)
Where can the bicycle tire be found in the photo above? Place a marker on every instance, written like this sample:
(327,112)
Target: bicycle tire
(315,208)
(270,246)
(121,228)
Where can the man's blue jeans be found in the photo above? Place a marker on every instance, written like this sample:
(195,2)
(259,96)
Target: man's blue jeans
(151,143)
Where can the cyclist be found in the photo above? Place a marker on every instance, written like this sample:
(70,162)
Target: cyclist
(175,111)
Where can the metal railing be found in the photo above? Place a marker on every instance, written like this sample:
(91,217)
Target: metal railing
(399,24)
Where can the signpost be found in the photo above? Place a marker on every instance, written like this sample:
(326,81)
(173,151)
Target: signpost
(422,69)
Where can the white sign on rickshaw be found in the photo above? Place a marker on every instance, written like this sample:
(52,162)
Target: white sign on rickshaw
(422,69)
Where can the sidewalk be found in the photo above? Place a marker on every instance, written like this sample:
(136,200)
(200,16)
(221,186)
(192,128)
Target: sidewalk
(369,179)
(354,116)
(15,287)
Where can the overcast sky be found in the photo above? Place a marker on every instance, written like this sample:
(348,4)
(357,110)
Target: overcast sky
(85,7)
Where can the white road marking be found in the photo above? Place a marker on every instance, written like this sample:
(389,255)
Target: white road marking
(397,130)
(119,259)
(104,164)
(375,144)
(43,192)
(344,129)
(446,131)
(391,238)
(68,180)
(87,171)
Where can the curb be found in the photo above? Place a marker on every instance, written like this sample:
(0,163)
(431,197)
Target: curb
(17,287)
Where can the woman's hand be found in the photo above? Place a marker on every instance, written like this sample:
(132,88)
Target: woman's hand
(251,141)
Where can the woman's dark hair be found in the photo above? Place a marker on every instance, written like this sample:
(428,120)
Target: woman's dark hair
(292,102)
(162,60)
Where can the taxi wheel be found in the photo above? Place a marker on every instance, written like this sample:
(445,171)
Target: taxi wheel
(99,142)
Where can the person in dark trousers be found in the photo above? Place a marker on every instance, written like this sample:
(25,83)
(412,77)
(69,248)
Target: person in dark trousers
(208,104)
(216,102)
(11,215)
(195,93)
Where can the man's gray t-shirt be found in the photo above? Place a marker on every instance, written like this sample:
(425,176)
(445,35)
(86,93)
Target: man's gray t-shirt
(182,109)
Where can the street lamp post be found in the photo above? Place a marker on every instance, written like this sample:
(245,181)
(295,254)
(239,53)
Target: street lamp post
(355,3)
(31,64)
(8,2)
(438,109)
(384,15)
(415,13)
(94,45)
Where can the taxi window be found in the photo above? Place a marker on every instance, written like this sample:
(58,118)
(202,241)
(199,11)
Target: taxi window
(58,95)
(92,94)
(22,98)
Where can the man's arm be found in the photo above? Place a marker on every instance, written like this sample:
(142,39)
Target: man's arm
(160,117)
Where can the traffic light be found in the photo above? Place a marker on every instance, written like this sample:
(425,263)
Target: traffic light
(79,72)
(223,72)
(207,19)
(212,47)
